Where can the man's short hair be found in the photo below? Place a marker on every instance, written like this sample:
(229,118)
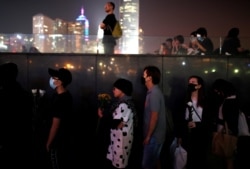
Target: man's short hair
(154,72)
(112,4)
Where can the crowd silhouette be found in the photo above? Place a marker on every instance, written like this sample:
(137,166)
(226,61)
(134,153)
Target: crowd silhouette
(201,44)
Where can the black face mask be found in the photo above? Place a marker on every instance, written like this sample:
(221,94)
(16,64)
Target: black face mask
(191,87)
(142,80)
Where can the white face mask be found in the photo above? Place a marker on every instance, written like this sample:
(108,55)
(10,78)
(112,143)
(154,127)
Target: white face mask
(51,83)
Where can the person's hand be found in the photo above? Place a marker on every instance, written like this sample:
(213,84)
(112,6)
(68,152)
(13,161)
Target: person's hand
(102,26)
(120,125)
(179,141)
(48,147)
(146,140)
(194,41)
(191,124)
(100,113)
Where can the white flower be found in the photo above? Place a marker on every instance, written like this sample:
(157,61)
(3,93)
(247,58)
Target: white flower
(190,104)
(41,92)
(34,91)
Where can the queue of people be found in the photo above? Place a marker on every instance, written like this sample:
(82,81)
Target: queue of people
(200,44)
(197,118)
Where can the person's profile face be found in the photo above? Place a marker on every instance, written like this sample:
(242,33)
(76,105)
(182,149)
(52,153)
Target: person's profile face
(108,7)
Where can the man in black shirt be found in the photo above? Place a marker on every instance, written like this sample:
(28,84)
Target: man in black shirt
(60,108)
(108,25)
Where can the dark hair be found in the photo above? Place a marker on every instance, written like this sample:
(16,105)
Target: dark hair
(193,33)
(154,72)
(9,71)
(180,38)
(224,86)
(124,85)
(169,40)
(201,91)
(63,74)
(202,31)
(233,33)
(112,4)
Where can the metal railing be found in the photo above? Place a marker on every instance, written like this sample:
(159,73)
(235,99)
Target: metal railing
(59,43)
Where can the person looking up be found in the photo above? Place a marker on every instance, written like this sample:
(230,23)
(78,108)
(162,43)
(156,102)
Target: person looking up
(108,25)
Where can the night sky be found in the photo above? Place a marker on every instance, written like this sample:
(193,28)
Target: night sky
(157,17)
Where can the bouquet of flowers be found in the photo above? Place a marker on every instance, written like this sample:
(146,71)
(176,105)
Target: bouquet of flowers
(104,99)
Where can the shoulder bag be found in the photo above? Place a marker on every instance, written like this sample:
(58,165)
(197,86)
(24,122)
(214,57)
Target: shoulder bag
(223,143)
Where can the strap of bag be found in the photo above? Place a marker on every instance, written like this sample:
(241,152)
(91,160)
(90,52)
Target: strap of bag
(109,27)
(192,108)
(226,128)
(197,113)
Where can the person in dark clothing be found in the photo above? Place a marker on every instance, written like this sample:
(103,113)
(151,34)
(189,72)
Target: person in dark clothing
(193,124)
(15,120)
(202,42)
(231,44)
(60,111)
(227,111)
(108,25)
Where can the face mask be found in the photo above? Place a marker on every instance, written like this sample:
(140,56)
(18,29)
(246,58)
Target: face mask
(200,38)
(143,81)
(51,83)
(191,87)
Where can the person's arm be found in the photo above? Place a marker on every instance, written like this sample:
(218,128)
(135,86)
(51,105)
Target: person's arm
(100,112)
(102,25)
(152,125)
(53,131)
(199,46)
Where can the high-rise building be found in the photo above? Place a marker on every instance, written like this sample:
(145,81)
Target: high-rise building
(42,28)
(85,24)
(129,19)
(57,35)
(75,37)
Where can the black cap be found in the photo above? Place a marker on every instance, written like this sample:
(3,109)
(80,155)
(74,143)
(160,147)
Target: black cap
(202,31)
(62,74)
(8,71)
(124,85)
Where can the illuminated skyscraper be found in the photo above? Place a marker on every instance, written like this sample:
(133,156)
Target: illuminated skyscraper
(42,28)
(129,18)
(57,35)
(85,24)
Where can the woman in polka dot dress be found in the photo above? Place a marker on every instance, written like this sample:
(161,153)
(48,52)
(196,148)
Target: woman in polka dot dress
(122,127)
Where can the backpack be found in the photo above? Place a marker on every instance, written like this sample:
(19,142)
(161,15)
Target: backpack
(117,31)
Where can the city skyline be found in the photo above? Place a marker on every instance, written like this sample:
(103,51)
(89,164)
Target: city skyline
(161,18)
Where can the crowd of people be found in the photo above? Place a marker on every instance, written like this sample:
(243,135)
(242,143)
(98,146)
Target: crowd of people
(197,115)
(200,44)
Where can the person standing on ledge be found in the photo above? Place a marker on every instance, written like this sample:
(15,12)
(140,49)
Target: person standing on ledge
(108,25)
